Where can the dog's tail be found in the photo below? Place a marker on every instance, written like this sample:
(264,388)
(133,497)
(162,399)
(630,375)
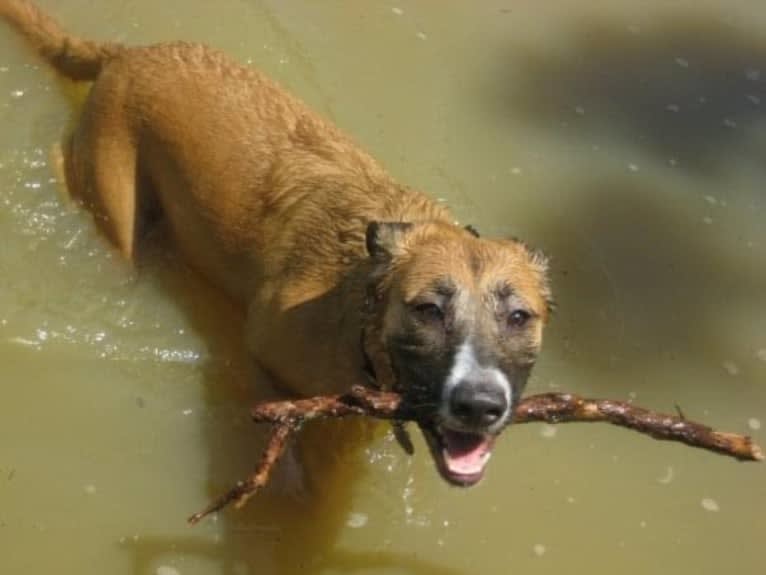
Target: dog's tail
(72,57)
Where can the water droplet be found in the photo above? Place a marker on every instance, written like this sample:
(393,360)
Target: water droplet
(356,520)
(166,570)
(667,478)
(683,62)
(633,167)
(754,423)
(17,94)
(187,412)
(754,99)
(398,11)
(90,489)
(539,549)
(421,35)
(672,107)
(548,431)
(711,200)
(729,123)
(579,110)
(707,220)
(753,74)
(709,504)
(730,367)
(516,171)
(761,354)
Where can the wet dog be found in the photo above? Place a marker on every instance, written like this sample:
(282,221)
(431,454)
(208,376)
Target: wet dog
(347,277)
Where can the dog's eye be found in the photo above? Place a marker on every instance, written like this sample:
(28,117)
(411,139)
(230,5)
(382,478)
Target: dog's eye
(518,318)
(428,311)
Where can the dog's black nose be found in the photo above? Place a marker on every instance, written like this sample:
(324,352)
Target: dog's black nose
(478,404)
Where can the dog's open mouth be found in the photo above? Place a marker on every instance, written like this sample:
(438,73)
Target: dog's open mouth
(460,456)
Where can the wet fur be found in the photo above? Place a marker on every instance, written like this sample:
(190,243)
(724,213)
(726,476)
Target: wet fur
(274,205)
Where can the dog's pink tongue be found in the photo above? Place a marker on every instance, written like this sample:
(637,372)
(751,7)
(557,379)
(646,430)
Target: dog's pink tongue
(465,453)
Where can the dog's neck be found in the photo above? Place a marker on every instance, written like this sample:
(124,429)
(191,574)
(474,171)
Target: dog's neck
(367,365)
(376,362)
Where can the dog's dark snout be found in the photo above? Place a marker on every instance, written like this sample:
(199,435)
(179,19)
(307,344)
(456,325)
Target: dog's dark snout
(478,404)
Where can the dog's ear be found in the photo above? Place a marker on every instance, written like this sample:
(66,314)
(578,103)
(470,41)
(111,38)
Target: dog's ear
(541,263)
(386,239)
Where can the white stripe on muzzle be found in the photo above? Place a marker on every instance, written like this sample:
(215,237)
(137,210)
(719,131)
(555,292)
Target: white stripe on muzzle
(466,366)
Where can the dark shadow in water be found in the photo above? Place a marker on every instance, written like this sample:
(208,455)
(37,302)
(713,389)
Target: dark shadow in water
(148,554)
(640,278)
(686,87)
(292,526)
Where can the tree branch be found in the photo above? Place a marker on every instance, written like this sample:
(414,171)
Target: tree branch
(244,490)
(286,418)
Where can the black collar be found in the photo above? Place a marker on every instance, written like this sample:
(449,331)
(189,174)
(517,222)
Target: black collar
(367,366)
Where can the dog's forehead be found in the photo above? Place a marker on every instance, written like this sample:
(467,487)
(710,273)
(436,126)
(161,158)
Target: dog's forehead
(474,266)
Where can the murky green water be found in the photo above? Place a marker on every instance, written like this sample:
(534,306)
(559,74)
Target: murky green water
(626,139)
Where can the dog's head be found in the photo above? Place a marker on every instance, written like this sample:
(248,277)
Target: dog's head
(461,321)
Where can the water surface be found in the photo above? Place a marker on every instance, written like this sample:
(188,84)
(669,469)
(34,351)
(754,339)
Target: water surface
(627,141)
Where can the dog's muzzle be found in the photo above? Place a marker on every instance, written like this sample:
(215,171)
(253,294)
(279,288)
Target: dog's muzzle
(461,439)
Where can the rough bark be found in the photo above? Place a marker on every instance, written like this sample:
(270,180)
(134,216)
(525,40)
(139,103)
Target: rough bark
(286,418)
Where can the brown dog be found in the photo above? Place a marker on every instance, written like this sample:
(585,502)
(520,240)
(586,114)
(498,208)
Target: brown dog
(346,275)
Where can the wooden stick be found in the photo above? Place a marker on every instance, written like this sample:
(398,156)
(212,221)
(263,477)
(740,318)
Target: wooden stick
(287,416)
(244,490)
(567,407)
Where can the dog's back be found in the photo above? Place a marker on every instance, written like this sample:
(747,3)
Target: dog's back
(346,275)
(246,175)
